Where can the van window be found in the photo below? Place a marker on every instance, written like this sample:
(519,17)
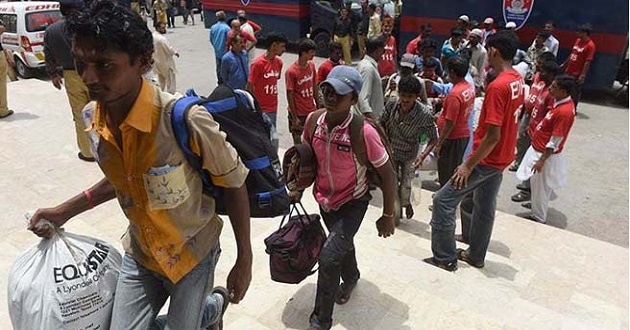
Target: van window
(39,21)
(10,22)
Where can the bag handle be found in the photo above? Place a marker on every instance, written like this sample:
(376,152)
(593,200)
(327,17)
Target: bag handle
(295,209)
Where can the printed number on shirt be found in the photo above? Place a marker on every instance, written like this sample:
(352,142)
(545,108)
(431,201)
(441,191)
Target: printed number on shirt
(573,57)
(388,57)
(271,89)
(307,92)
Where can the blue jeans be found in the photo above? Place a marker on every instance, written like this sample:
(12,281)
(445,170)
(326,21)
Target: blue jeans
(141,293)
(484,183)
(272,117)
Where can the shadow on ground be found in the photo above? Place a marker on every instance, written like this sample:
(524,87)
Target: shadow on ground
(369,308)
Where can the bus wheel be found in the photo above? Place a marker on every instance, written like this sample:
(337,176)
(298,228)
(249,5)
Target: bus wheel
(322,38)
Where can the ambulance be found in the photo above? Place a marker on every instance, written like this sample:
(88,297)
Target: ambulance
(25,24)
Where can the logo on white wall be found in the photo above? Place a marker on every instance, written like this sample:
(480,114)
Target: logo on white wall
(245,2)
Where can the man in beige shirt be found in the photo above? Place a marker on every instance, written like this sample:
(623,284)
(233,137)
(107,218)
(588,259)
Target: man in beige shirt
(163,62)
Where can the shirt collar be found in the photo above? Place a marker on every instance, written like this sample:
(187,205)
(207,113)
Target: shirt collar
(372,61)
(322,120)
(564,100)
(140,115)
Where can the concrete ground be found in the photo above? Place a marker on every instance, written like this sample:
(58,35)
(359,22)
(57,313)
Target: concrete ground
(536,276)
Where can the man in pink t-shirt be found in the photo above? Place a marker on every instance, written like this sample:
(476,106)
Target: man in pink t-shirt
(264,73)
(341,190)
(301,82)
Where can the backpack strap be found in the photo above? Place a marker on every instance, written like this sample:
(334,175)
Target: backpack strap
(357,139)
(179,112)
(311,123)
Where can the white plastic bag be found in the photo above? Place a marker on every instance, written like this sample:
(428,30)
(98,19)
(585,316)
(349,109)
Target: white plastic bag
(416,188)
(65,282)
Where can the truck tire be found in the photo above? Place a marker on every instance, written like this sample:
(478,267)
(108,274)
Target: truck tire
(22,70)
(322,38)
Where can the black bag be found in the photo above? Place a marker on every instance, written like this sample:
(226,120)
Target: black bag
(239,117)
(294,248)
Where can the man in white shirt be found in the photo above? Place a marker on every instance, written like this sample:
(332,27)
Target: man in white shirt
(552,43)
(245,26)
(163,63)
(371,100)
(479,54)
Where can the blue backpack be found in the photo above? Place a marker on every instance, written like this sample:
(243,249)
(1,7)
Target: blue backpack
(239,117)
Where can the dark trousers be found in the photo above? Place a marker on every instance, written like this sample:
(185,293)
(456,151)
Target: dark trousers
(450,157)
(297,133)
(576,94)
(337,259)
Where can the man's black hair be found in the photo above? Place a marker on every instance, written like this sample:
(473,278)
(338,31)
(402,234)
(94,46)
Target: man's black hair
(276,37)
(334,45)
(374,43)
(456,31)
(587,27)
(544,34)
(108,25)
(506,42)
(372,6)
(409,85)
(430,63)
(458,65)
(426,26)
(550,67)
(427,43)
(306,45)
(546,57)
(242,19)
(565,82)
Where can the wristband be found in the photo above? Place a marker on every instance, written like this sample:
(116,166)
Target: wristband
(88,195)
(388,215)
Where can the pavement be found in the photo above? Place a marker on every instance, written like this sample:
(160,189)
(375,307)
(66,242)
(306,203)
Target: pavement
(536,276)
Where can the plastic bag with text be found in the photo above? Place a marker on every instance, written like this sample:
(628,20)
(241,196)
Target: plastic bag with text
(65,282)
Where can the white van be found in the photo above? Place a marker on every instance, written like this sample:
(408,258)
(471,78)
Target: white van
(25,24)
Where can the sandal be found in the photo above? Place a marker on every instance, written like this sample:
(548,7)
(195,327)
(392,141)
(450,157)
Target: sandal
(451,266)
(463,256)
(522,196)
(226,303)
(344,292)
(409,211)
(10,112)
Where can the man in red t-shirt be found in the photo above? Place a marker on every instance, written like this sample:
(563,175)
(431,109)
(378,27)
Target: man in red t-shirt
(544,163)
(479,177)
(245,36)
(425,32)
(301,83)
(335,50)
(453,120)
(264,73)
(387,62)
(579,61)
(536,107)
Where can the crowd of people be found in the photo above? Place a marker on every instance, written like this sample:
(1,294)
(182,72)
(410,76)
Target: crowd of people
(477,103)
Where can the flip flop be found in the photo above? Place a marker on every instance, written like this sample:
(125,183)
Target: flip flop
(450,267)
(344,293)
(409,211)
(521,196)
(7,114)
(463,256)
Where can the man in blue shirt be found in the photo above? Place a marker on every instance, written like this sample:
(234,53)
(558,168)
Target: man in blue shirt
(218,39)
(235,64)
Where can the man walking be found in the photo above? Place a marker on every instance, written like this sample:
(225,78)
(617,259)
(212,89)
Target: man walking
(218,39)
(301,82)
(163,63)
(263,80)
(371,99)
(60,67)
(172,243)
(235,65)
(387,61)
(481,173)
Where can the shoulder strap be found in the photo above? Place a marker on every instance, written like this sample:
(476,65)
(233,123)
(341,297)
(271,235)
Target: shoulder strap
(180,109)
(357,139)
(311,123)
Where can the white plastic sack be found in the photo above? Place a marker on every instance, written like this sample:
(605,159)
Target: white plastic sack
(65,282)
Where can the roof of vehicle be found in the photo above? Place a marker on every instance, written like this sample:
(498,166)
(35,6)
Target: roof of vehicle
(28,6)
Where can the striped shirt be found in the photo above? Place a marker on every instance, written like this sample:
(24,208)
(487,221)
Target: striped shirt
(404,131)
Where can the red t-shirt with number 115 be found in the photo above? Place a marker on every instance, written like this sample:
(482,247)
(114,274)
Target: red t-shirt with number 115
(264,75)
(387,62)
